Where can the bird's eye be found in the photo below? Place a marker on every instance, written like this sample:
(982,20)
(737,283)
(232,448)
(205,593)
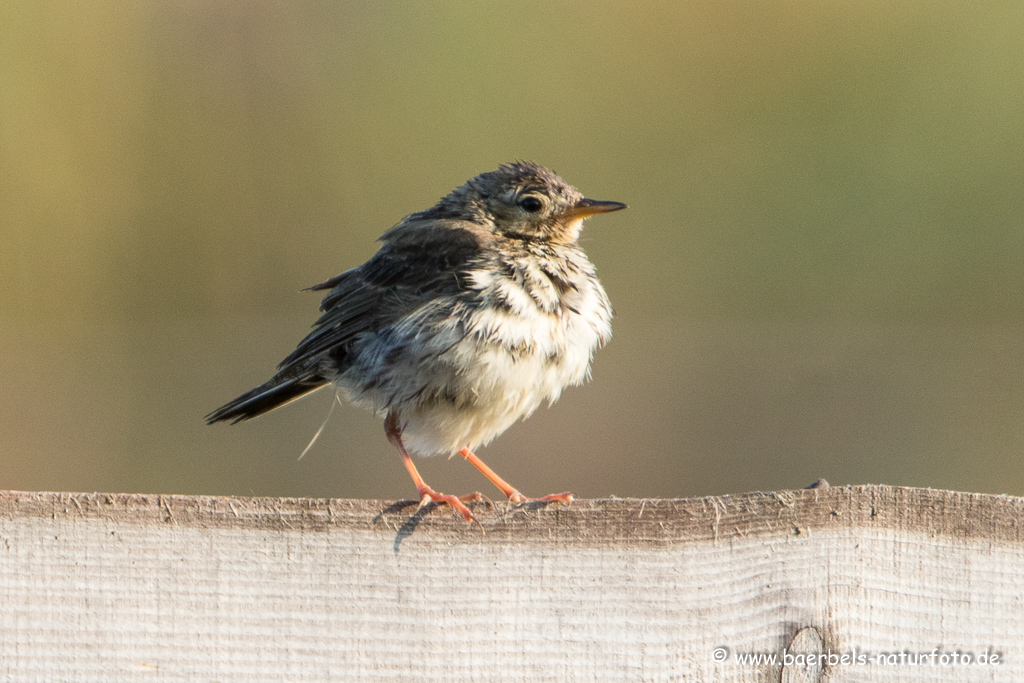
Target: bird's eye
(531,204)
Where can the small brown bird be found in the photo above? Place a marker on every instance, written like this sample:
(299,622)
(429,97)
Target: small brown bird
(470,315)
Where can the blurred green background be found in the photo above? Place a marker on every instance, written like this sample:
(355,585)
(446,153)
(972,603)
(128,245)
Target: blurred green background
(820,273)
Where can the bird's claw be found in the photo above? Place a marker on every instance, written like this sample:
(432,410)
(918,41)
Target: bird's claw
(565,497)
(428,495)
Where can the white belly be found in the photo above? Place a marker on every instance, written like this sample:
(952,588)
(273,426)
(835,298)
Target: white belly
(503,384)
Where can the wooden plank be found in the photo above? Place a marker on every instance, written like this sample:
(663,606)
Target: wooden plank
(111,587)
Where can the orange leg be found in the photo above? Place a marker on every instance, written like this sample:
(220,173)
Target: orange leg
(510,492)
(427,494)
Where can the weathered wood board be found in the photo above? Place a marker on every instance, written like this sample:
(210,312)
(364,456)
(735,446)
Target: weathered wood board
(116,587)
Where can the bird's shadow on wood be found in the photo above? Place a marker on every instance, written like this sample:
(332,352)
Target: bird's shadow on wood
(409,525)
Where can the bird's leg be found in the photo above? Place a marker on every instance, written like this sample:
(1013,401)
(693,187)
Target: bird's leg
(510,492)
(426,494)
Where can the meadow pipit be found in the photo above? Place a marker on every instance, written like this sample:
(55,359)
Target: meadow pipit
(470,315)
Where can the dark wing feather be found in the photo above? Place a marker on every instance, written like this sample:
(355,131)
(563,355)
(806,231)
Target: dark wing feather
(417,264)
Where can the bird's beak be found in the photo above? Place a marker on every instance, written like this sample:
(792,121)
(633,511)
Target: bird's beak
(588,207)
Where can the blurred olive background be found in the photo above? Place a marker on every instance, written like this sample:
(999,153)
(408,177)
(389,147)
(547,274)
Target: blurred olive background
(820,273)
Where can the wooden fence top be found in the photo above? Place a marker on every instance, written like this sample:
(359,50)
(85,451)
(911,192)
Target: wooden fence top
(602,521)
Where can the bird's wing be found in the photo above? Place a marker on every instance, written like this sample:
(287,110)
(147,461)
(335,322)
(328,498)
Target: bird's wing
(416,266)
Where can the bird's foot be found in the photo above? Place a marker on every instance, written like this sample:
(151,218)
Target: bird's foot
(516,497)
(429,495)
(510,492)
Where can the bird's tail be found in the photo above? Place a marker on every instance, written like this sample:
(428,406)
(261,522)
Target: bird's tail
(267,396)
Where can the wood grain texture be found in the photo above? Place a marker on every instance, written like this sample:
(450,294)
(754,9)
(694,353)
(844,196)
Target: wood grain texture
(113,587)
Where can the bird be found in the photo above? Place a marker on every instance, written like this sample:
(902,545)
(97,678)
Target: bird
(471,314)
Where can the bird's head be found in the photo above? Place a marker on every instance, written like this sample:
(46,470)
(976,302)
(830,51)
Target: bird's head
(525,201)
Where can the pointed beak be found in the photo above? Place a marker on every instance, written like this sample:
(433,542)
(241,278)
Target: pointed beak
(589,207)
